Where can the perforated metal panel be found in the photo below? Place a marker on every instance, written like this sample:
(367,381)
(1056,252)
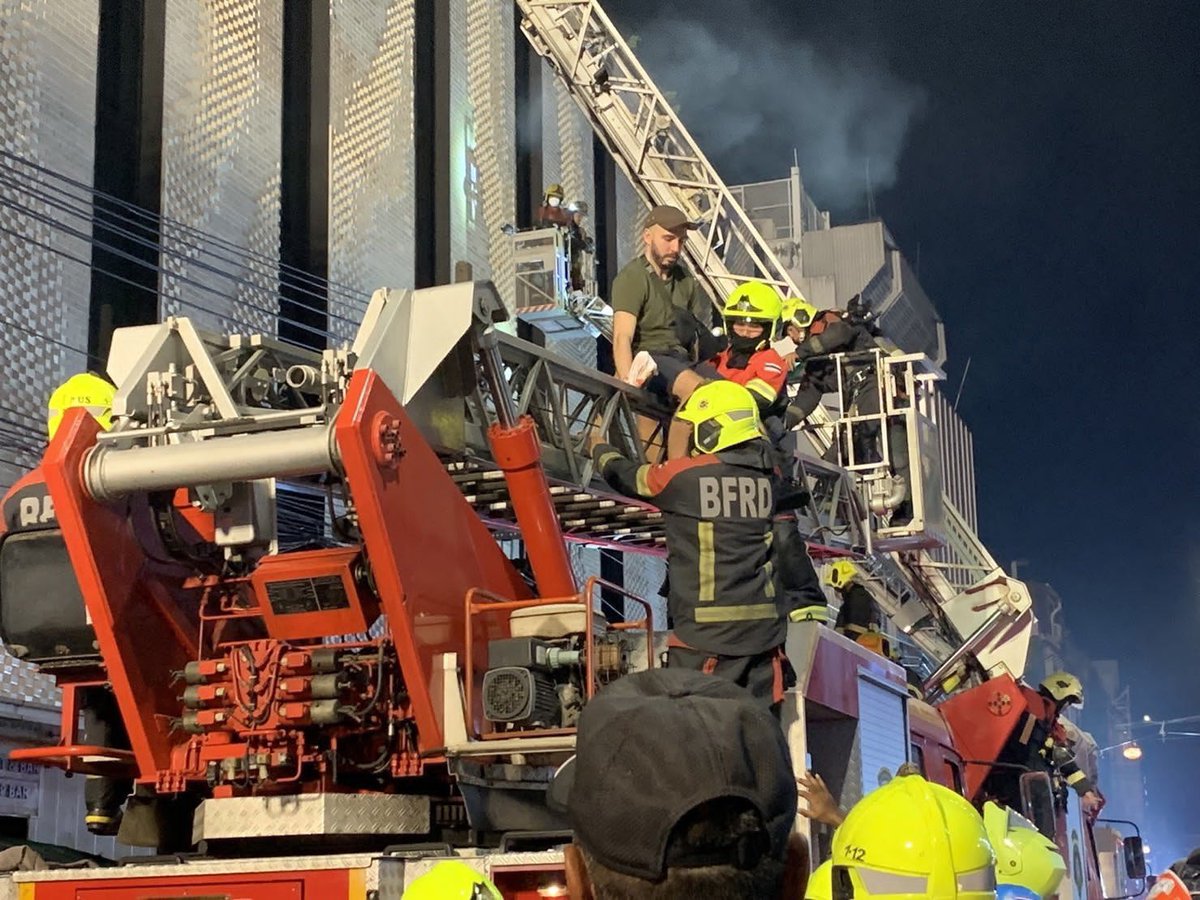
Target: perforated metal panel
(372,206)
(47,112)
(575,148)
(631,216)
(488,156)
(222,103)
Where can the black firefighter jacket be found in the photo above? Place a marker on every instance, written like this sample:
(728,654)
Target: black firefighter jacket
(717,510)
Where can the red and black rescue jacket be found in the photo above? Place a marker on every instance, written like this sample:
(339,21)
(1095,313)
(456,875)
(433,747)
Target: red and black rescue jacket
(718,511)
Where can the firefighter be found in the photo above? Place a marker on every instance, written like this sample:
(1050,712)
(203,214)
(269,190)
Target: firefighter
(859,615)
(718,507)
(102,725)
(912,838)
(552,212)
(850,331)
(751,315)
(1039,743)
(91,392)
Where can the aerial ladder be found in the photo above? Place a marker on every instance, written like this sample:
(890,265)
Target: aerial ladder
(988,624)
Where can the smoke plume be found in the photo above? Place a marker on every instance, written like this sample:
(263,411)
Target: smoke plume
(749,96)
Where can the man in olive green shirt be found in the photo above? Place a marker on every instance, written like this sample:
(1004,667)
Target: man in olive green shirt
(646,296)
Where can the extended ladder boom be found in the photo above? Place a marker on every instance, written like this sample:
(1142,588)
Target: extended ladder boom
(648,141)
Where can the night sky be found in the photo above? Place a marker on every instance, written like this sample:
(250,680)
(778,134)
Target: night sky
(1041,164)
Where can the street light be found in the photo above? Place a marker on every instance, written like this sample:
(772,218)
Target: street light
(1129,749)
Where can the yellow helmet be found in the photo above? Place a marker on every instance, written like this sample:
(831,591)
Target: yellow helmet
(911,838)
(452,880)
(723,414)
(841,573)
(555,190)
(753,300)
(820,882)
(90,391)
(1024,856)
(799,312)
(1063,687)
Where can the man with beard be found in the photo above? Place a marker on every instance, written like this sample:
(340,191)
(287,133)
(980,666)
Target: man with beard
(661,320)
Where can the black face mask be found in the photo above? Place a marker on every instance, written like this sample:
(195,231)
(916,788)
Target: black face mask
(744,345)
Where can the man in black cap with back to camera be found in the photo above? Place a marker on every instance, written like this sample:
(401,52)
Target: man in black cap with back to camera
(681,787)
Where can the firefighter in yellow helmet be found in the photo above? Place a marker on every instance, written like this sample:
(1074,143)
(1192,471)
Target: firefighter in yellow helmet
(751,314)
(93,393)
(718,509)
(102,725)
(1038,742)
(452,880)
(1025,858)
(913,839)
(552,211)
(797,316)
(858,616)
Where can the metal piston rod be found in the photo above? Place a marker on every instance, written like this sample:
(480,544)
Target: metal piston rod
(110,473)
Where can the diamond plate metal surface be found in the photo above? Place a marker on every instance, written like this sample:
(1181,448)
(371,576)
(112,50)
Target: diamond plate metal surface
(47,114)
(372,206)
(311,814)
(222,108)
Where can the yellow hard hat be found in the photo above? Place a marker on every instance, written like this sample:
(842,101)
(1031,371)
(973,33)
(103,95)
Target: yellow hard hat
(911,838)
(753,300)
(820,882)
(841,573)
(452,880)
(1024,856)
(90,391)
(799,312)
(555,190)
(1063,687)
(723,414)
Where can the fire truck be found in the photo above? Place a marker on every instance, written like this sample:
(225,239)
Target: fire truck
(334,718)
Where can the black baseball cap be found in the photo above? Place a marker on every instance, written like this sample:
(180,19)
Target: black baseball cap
(669,217)
(653,746)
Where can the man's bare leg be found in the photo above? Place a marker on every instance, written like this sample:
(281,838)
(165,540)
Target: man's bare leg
(679,431)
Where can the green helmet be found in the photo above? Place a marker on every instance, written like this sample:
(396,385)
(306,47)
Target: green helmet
(724,414)
(753,301)
(841,573)
(451,879)
(1024,856)
(799,312)
(1063,687)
